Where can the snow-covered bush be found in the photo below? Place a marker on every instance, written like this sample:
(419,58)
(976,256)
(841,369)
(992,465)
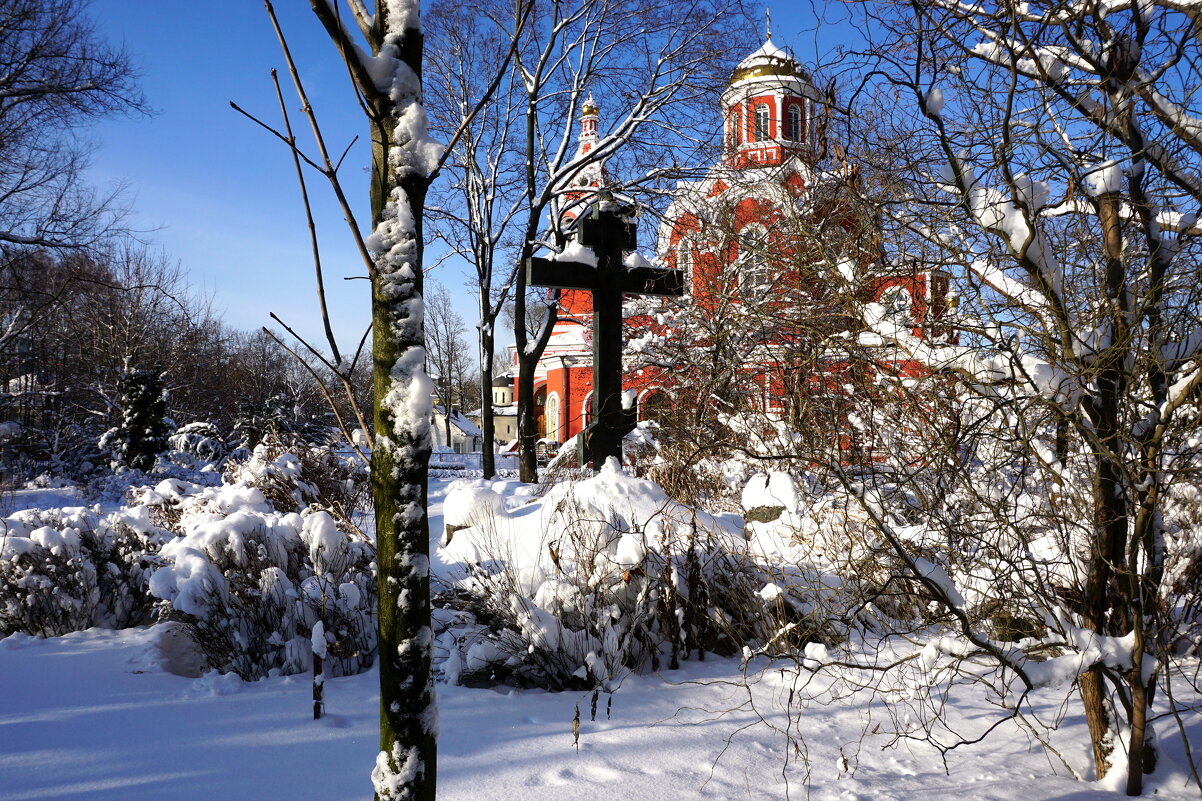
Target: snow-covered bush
(258,562)
(1183,567)
(299,476)
(200,440)
(269,477)
(695,479)
(248,581)
(604,576)
(250,586)
(279,418)
(64,570)
(124,487)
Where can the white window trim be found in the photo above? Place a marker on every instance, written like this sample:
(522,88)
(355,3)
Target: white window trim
(795,133)
(764,135)
(551,421)
(746,258)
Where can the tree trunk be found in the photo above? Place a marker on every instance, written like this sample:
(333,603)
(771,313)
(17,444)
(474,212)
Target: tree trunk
(1140,757)
(528,356)
(405,766)
(319,685)
(1107,605)
(400,464)
(488,429)
(398,477)
(527,424)
(1093,699)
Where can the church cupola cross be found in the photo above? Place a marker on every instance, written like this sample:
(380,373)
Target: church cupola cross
(610,232)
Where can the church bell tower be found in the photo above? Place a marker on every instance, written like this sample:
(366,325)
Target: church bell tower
(769,111)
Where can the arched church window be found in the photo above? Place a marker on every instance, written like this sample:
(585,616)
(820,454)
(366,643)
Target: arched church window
(899,306)
(654,404)
(684,259)
(552,417)
(761,122)
(733,123)
(793,123)
(755,276)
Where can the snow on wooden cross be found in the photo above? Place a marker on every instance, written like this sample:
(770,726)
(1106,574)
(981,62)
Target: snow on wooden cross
(608,230)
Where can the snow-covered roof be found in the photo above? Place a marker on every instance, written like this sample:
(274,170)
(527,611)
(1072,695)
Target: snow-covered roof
(460,421)
(497,411)
(768,60)
(767,54)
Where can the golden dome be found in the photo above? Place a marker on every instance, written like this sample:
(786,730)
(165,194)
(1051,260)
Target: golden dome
(769,60)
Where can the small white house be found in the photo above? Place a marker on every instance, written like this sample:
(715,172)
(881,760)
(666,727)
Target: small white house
(464,434)
(504,412)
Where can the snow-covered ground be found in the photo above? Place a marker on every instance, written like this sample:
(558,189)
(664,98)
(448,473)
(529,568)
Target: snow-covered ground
(94,715)
(39,498)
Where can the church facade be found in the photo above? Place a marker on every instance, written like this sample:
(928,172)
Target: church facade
(764,239)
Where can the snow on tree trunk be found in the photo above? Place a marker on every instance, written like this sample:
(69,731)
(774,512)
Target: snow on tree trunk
(319,673)
(403,157)
(403,392)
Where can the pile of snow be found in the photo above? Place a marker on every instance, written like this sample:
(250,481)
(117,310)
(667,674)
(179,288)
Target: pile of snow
(598,578)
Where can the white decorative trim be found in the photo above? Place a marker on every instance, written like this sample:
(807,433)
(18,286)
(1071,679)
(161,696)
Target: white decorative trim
(551,404)
(586,409)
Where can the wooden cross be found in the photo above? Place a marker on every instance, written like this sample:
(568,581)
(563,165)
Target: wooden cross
(609,232)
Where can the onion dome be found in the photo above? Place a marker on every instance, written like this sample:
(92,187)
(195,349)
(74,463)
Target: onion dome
(768,61)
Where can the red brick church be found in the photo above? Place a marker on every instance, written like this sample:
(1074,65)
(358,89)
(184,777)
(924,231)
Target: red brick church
(735,234)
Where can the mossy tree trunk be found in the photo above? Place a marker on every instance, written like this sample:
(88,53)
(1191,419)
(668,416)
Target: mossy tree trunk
(401,173)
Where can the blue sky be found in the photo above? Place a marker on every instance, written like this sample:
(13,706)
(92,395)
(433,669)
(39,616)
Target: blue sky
(217,193)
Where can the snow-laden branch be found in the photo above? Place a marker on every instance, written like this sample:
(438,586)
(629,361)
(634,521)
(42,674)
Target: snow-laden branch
(1024,373)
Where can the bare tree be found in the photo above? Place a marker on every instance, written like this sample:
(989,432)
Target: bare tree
(387,77)
(382,50)
(108,310)
(1022,504)
(447,353)
(654,66)
(475,44)
(1051,152)
(383,53)
(55,76)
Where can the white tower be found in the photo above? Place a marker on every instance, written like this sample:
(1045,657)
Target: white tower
(769,110)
